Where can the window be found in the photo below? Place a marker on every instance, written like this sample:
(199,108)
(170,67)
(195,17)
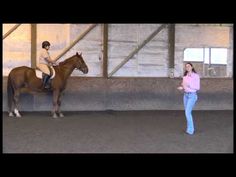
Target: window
(194,54)
(206,55)
(210,62)
(218,56)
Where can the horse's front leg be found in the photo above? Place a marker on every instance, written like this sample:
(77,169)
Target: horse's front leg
(59,106)
(55,103)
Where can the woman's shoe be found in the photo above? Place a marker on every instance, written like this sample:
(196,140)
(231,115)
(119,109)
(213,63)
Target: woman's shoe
(189,133)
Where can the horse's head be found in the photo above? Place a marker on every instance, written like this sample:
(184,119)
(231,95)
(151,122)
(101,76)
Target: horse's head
(80,64)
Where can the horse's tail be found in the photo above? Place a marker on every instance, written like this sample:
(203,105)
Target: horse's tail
(10,93)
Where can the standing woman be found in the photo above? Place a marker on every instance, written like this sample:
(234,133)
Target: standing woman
(190,85)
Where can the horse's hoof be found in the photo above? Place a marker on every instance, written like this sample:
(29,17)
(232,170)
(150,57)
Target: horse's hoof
(55,116)
(18,116)
(61,115)
(11,114)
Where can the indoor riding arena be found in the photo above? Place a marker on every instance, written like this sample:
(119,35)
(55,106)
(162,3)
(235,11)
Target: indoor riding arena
(119,88)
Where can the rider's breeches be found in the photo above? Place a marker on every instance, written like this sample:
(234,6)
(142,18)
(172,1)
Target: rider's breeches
(43,68)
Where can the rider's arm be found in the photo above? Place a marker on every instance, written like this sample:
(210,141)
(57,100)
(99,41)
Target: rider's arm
(47,57)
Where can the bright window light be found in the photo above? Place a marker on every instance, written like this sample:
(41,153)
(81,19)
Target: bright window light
(193,54)
(218,56)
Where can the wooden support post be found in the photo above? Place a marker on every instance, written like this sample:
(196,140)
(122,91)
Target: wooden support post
(33,45)
(105,50)
(171,34)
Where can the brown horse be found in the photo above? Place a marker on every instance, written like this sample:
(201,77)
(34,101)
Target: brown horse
(25,78)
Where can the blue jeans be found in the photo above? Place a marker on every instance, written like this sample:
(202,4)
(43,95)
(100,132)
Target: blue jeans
(189,102)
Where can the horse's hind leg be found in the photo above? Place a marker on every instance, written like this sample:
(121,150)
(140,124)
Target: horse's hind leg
(16,101)
(11,114)
(11,109)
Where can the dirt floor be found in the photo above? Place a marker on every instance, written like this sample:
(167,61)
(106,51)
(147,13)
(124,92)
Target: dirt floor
(118,132)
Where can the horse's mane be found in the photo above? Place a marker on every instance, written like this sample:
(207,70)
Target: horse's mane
(66,60)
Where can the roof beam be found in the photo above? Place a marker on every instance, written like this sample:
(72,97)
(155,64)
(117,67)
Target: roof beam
(76,41)
(10,31)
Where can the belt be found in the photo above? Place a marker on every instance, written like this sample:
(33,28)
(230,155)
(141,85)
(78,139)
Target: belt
(189,92)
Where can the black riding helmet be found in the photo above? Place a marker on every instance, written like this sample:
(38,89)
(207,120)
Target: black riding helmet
(45,44)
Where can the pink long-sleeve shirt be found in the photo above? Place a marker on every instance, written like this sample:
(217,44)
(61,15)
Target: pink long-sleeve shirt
(191,82)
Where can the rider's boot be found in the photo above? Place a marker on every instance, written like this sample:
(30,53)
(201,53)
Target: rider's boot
(46,77)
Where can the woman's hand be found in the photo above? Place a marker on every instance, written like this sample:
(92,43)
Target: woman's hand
(186,85)
(180,88)
(53,62)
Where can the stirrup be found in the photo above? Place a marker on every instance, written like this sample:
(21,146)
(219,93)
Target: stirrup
(47,86)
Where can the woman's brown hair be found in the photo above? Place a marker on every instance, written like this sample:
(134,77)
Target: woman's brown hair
(185,73)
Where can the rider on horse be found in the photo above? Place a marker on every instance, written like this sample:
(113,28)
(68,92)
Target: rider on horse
(44,62)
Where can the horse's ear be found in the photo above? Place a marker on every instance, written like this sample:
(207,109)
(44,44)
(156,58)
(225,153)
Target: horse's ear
(80,54)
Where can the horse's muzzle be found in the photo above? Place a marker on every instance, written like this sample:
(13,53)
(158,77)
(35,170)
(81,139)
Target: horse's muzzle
(85,71)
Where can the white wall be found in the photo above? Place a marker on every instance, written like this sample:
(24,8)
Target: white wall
(16,47)
(150,61)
